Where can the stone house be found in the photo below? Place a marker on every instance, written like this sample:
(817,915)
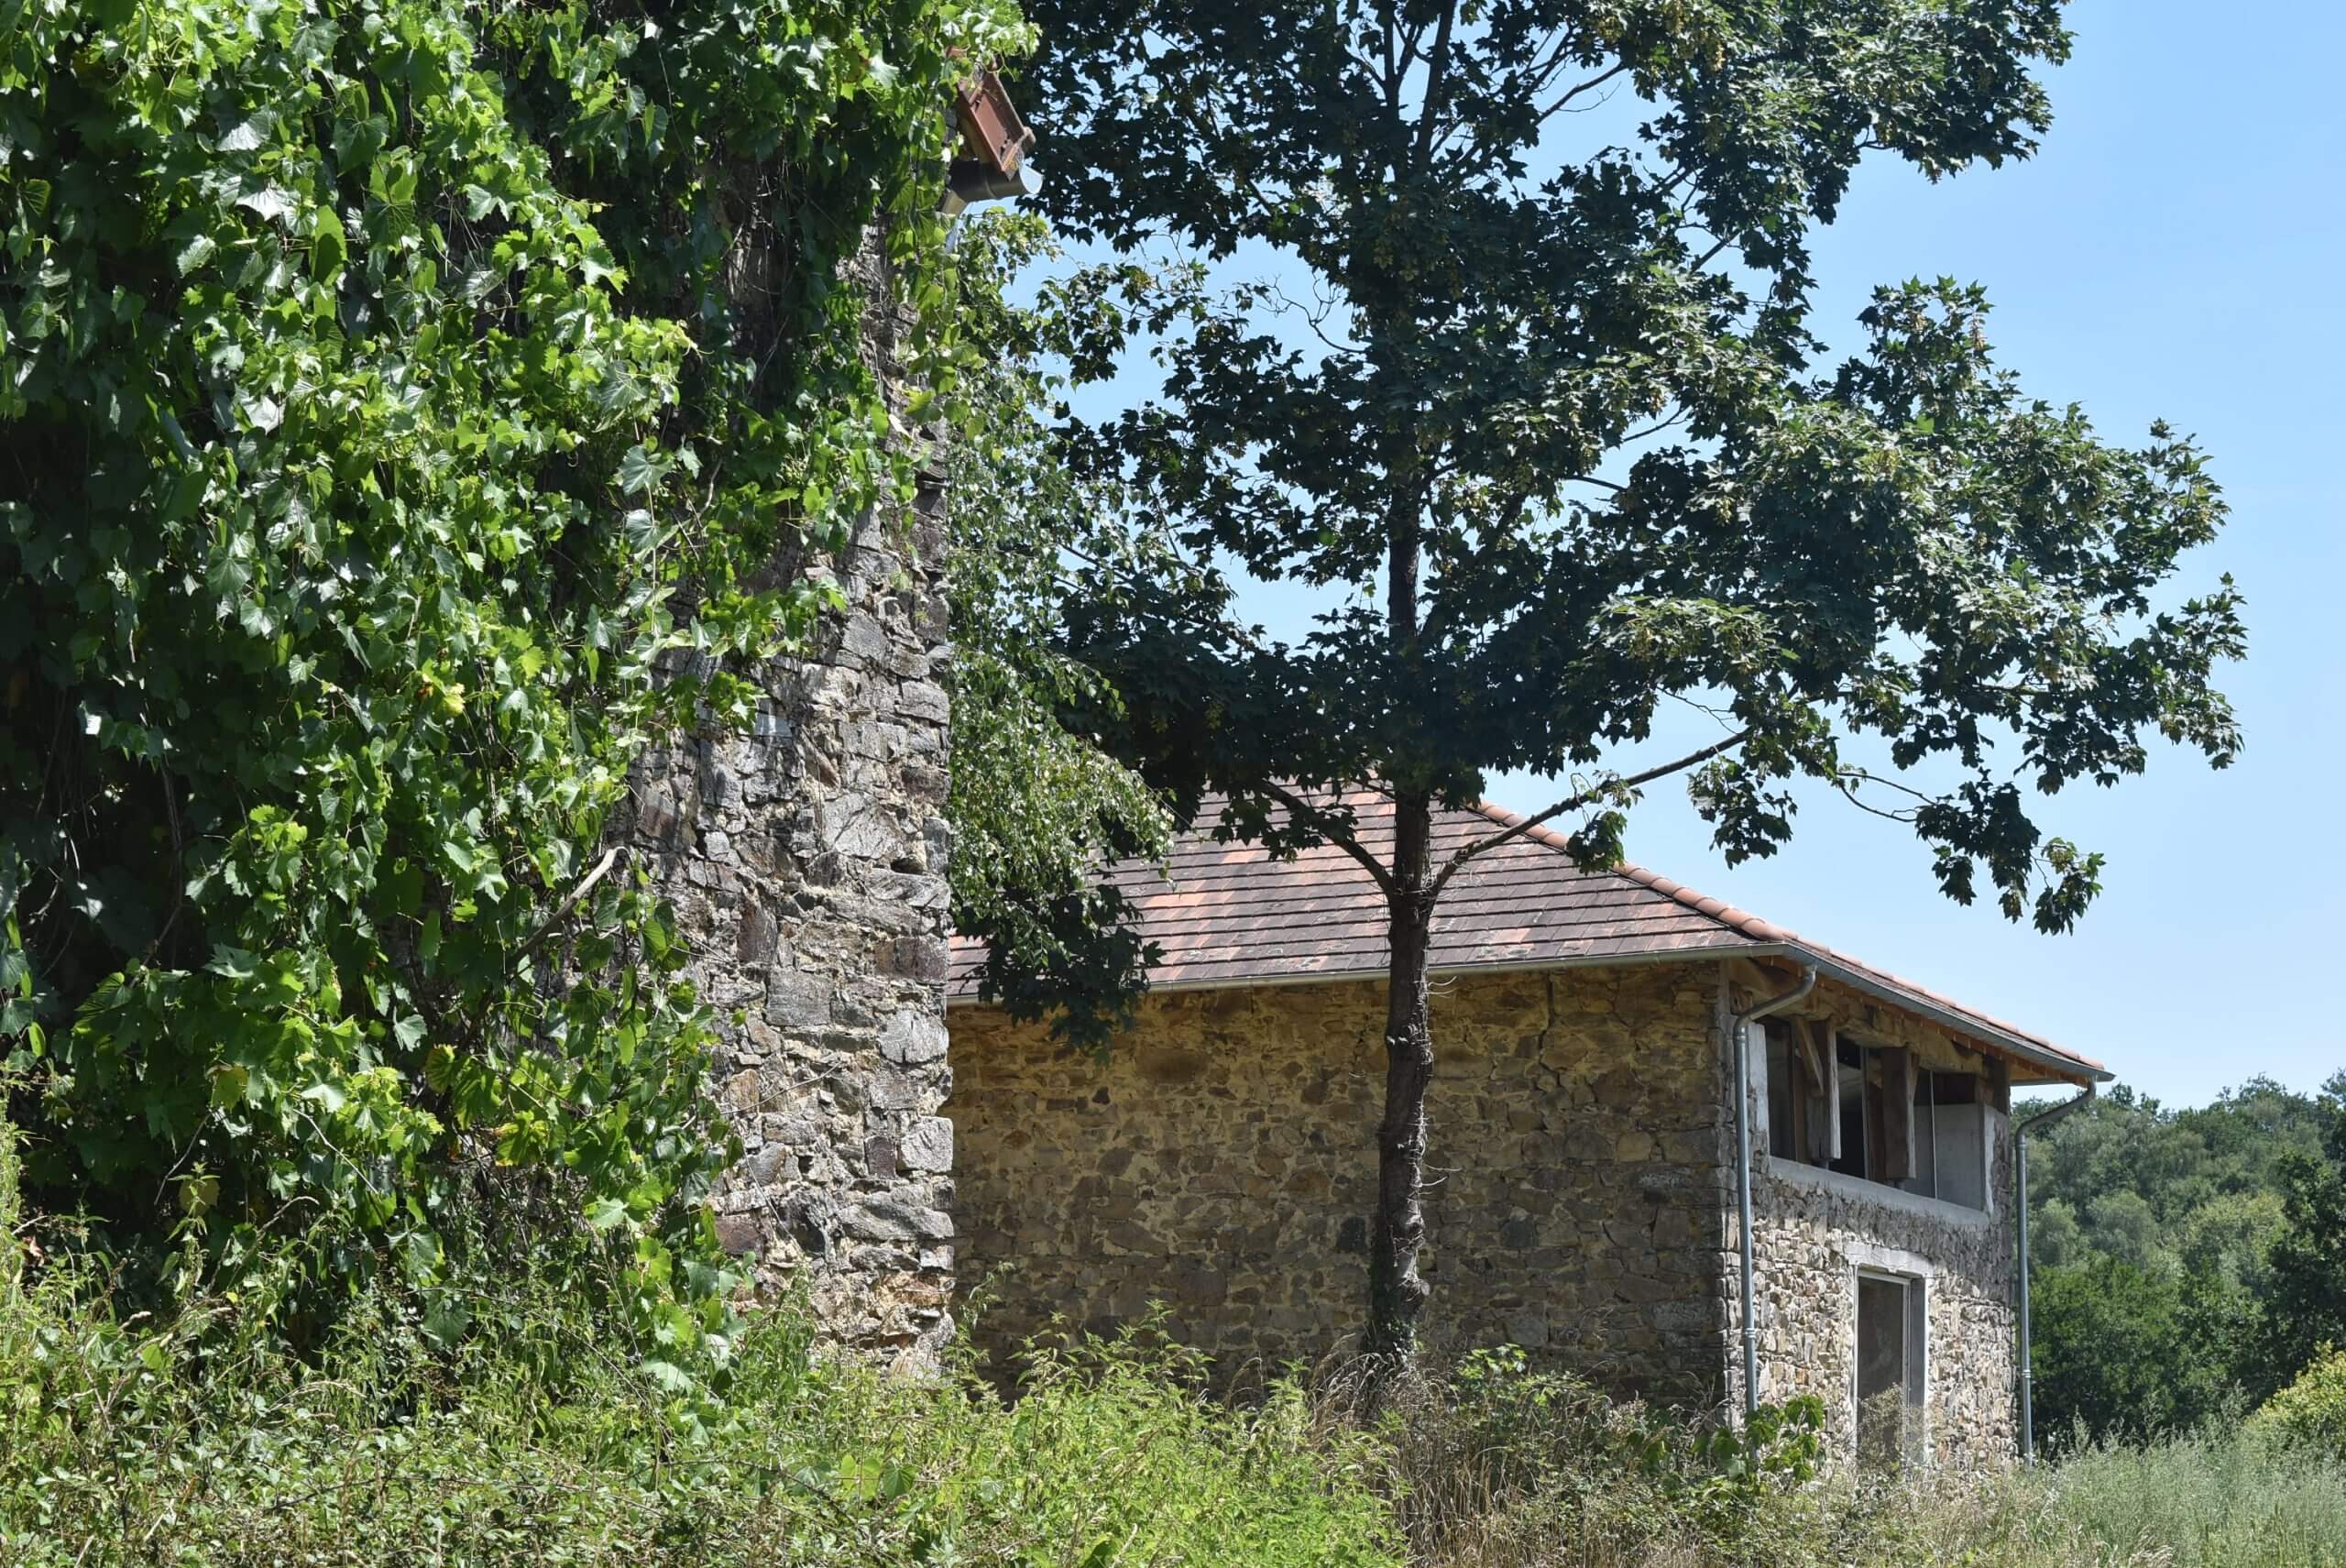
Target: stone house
(1583,1200)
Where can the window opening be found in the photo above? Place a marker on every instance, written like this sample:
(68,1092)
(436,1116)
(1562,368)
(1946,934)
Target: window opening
(1920,1130)
(1784,1094)
(1851,1065)
(1926,1137)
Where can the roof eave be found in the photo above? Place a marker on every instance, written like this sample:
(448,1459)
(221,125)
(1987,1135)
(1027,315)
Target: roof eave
(2057,1068)
(2060,1068)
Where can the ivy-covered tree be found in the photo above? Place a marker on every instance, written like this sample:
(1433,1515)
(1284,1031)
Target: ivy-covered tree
(386,386)
(1535,402)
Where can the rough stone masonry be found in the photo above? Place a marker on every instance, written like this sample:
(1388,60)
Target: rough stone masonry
(805,862)
(1580,1205)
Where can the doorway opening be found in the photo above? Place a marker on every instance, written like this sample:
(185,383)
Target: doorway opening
(1890,1370)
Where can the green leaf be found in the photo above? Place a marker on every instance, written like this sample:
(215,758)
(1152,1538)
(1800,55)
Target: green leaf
(639,474)
(249,134)
(233,963)
(328,251)
(668,1376)
(195,253)
(270,201)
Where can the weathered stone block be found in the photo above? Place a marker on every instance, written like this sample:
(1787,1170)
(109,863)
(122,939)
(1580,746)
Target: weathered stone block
(913,1036)
(928,1145)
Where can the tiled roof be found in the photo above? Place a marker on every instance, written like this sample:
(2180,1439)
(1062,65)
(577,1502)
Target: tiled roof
(1228,915)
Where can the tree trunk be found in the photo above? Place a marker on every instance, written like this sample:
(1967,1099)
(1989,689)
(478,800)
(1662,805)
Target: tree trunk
(1396,1294)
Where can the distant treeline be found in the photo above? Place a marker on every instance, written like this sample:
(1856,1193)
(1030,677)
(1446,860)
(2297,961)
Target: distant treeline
(2188,1262)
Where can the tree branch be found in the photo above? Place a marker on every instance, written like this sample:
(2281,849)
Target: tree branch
(1297,808)
(1437,84)
(577,895)
(1574,802)
(1590,85)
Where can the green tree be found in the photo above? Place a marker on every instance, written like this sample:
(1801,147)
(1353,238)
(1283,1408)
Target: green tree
(2055,1237)
(390,389)
(2306,1297)
(1534,407)
(2116,1351)
(1037,807)
(2123,1225)
(2195,1197)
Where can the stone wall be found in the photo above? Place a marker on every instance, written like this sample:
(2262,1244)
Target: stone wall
(1581,1199)
(1223,1162)
(807,864)
(1812,1230)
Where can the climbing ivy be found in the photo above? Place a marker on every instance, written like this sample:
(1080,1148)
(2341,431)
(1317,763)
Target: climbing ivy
(405,404)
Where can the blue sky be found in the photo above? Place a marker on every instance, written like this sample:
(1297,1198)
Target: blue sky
(2174,250)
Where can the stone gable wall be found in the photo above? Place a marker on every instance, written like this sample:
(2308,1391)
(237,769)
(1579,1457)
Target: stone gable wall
(1812,1230)
(807,864)
(1223,1162)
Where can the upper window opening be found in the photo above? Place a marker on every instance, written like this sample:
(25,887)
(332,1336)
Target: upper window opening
(1874,1113)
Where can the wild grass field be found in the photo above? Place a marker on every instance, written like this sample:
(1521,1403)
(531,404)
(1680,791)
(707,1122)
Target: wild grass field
(543,1439)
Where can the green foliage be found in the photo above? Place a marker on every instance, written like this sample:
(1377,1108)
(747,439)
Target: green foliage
(1496,1462)
(394,389)
(2308,1290)
(2182,1257)
(1037,807)
(2119,1352)
(2312,1411)
(1534,408)
(541,1441)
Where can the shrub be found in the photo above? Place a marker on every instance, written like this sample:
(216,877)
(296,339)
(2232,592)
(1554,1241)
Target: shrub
(2312,1409)
(541,1441)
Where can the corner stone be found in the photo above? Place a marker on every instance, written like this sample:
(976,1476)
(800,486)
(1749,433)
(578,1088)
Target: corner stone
(913,1036)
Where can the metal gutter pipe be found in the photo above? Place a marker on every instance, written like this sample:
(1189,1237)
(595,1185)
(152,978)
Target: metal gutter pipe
(2020,1199)
(1743,1022)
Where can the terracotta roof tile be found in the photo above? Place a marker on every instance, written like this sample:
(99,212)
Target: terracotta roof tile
(1228,915)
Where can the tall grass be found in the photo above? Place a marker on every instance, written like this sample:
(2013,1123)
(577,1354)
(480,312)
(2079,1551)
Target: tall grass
(1498,1467)
(537,1444)
(195,1445)
(2217,1499)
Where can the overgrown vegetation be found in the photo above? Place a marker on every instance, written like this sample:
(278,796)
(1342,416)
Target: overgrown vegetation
(2188,1262)
(389,387)
(1038,806)
(545,1438)
(198,1442)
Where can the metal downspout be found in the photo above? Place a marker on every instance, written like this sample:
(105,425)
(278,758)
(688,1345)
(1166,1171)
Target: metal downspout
(1743,1022)
(2019,1198)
